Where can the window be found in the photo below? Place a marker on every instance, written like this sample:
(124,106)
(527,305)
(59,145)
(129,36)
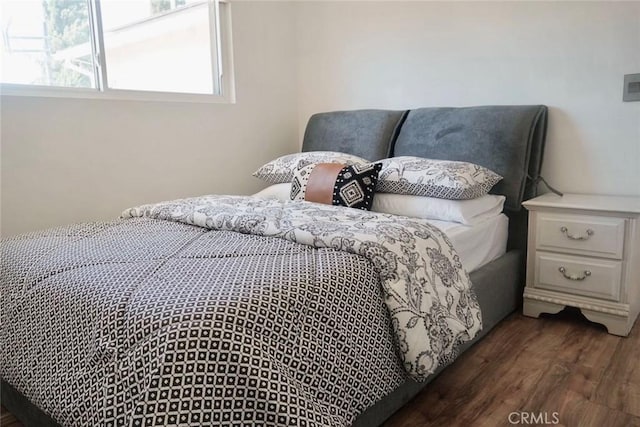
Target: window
(130,48)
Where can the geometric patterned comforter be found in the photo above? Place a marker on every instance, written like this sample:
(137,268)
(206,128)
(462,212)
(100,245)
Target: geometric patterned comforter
(228,311)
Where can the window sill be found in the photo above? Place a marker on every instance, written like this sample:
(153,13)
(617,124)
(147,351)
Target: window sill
(113,94)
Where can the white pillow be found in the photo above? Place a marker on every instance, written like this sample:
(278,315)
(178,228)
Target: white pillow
(467,212)
(277,191)
(281,169)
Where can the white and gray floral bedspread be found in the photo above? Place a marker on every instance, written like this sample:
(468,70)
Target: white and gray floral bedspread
(190,312)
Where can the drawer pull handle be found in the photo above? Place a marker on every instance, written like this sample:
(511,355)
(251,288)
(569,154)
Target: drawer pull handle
(563,270)
(565,230)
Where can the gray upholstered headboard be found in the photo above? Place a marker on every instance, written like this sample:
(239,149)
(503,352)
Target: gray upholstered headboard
(509,140)
(366,133)
(506,139)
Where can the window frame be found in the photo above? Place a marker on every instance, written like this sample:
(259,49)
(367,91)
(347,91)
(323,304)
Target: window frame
(221,62)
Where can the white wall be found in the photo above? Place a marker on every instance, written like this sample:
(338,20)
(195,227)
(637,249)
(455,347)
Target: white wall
(570,56)
(69,160)
(66,160)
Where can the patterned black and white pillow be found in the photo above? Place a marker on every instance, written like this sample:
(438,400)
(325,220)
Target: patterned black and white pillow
(281,169)
(336,184)
(443,179)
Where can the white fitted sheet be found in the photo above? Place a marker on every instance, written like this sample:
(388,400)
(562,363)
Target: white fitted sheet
(477,244)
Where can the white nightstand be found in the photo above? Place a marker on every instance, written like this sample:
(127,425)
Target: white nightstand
(584,251)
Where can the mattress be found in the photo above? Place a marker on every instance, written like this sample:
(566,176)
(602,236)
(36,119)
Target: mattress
(477,244)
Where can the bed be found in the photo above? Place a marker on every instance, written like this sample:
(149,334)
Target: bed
(146,341)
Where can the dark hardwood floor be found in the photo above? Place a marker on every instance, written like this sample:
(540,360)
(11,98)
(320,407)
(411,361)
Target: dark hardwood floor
(556,370)
(8,420)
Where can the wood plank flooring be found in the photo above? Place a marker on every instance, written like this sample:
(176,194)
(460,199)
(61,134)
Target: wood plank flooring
(559,370)
(7,419)
(559,364)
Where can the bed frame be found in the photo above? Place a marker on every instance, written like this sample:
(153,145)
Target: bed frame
(506,139)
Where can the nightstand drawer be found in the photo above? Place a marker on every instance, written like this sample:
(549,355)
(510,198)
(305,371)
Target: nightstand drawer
(579,234)
(597,278)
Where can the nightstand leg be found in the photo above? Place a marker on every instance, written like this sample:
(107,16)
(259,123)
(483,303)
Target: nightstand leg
(533,308)
(616,325)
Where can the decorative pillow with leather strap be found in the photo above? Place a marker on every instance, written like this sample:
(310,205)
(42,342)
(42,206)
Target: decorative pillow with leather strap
(336,184)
